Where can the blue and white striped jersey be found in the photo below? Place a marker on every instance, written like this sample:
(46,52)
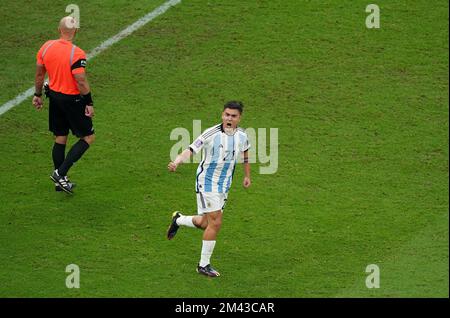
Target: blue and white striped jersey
(219,156)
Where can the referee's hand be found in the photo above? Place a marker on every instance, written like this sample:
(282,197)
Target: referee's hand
(37,102)
(89,111)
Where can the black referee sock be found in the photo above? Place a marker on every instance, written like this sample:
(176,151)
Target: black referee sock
(58,154)
(75,153)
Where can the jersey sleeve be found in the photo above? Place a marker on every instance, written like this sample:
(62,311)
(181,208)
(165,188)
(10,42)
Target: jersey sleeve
(39,59)
(245,144)
(79,62)
(204,139)
(197,145)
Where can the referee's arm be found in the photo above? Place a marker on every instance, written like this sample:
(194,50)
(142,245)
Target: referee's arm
(82,83)
(85,91)
(38,83)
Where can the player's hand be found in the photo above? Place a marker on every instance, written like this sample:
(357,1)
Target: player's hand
(37,102)
(89,111)
(247,182)
(172,166)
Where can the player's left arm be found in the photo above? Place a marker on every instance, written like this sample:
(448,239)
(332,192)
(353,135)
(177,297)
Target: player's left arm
(38,84)
(246,163)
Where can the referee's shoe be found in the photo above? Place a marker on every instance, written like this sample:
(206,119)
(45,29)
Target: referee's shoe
(59,189)
(63,182)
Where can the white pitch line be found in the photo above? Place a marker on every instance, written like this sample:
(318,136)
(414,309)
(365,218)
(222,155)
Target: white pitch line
(103,46)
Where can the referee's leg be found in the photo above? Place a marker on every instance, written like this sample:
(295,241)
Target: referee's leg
(75,153)
(59,151)
(82,127)
(89,139)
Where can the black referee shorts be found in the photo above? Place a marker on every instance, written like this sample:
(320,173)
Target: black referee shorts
(67,112)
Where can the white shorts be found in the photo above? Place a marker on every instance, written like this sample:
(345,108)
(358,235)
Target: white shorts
(210,202)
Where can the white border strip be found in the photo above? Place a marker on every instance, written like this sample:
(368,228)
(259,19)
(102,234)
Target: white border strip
(106,44)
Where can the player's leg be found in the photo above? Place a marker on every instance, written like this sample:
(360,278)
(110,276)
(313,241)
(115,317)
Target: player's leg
(217,202)
(214,223)
(199,221)
(212,204)
(179,219)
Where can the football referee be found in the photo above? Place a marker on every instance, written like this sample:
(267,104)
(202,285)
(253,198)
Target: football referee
(70,102)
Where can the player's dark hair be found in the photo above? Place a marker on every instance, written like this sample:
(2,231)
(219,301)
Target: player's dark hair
(234,105)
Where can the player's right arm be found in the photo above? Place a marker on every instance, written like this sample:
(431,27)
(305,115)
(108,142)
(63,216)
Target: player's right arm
(184,156)
(194,148)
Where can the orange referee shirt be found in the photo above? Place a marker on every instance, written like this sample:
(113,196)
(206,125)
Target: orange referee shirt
(62,59)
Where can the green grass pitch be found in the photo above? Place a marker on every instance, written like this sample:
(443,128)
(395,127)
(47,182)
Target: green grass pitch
(362,118)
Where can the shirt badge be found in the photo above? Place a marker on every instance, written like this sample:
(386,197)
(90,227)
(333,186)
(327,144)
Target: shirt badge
(198,143)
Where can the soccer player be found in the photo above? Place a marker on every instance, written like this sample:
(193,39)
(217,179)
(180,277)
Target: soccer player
(71,106)
(220,145)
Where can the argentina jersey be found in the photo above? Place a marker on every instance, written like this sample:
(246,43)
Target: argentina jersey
(219,156)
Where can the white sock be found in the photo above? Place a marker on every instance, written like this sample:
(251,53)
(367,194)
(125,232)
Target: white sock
(207,250)
(186,220)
